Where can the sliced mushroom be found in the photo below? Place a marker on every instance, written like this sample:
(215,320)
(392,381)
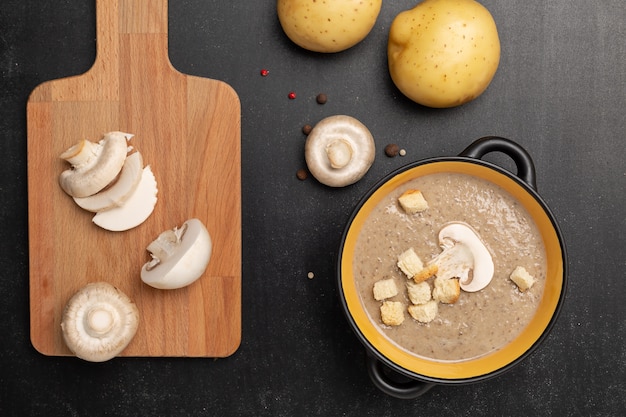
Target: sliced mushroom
(135,210)
(99,321)
(94,165)
(179,256)
(118,193)
(339,150)
(464,251)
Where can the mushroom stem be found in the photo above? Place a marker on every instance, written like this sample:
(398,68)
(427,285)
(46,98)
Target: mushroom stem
(165,245)
(339,153)
(99,321)
(81,153)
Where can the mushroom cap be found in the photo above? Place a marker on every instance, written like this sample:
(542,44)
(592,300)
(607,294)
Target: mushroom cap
(136,209)
(179,256)
(98,322)
(339,150)
(464,250)
(94,165)
(119,191)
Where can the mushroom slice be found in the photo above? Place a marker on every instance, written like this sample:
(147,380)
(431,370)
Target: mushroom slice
(135,210)
(98,322)
(464,251)
(94,165)
(118,193)
(339,150)
(179,256)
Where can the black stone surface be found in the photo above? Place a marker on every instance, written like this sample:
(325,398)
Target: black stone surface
(560,91)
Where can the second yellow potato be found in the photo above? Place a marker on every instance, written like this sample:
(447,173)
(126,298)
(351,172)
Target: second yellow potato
(443,53)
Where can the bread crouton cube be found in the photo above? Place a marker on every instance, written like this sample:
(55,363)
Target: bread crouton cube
(447,291)
(385,288)
(426,273)
(424,313)
(522,278)
(419,293)
(410,263)
(413,201)
(392,313)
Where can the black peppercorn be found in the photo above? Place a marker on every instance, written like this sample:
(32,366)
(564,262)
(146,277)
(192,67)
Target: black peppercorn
(321,98)
(392,150)
(306,129)
(302,174)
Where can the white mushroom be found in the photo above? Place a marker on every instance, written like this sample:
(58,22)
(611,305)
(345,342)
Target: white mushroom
(339,150)
(179,256)
(99,321)
(464,251)
(135,210)
(94,165)
(119,191)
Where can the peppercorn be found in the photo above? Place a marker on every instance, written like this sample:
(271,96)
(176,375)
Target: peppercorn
(392,150)
(302,174)
(321,98)
(306,129)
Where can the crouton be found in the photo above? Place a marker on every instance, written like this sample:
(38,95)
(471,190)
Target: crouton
(424,313)
(522,278)
(392,313)
(385,288)
(412,201)
(426,273)
(447,291)
(410,263)
(418,293)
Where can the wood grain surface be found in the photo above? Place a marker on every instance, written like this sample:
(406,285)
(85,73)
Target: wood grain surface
(188,130)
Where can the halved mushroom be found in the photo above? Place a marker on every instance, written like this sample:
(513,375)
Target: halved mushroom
(135,210)
(179,256)
(118,193)
(99,321)
(339,150)
(463,250)
(94,165)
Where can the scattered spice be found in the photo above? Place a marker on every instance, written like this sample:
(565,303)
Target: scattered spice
(392,150)
(291,95)
(321,98)
(402,152)
(265,73)
(306,129)
(302,174)
(310,275)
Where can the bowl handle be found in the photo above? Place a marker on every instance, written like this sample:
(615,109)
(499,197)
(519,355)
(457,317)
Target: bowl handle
(400,386)
(523,161)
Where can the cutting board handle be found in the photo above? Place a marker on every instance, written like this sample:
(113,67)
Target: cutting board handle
(123,22)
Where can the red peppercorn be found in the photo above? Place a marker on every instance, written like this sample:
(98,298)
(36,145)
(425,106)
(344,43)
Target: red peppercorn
(292,95)
(264,73)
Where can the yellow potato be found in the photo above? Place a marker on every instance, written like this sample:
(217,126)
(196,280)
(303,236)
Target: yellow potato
(327,25)
(443,53)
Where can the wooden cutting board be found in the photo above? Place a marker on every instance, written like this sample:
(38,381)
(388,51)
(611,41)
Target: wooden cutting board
(188,130)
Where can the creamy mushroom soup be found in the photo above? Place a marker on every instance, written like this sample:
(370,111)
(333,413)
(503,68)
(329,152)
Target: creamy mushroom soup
(479,322)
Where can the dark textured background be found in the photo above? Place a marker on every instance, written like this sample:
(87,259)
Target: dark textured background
(560,91)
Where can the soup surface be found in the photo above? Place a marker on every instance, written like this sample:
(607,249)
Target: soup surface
(479,322)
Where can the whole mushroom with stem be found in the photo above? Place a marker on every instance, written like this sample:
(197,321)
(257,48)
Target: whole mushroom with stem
(98,322)
(339,150)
